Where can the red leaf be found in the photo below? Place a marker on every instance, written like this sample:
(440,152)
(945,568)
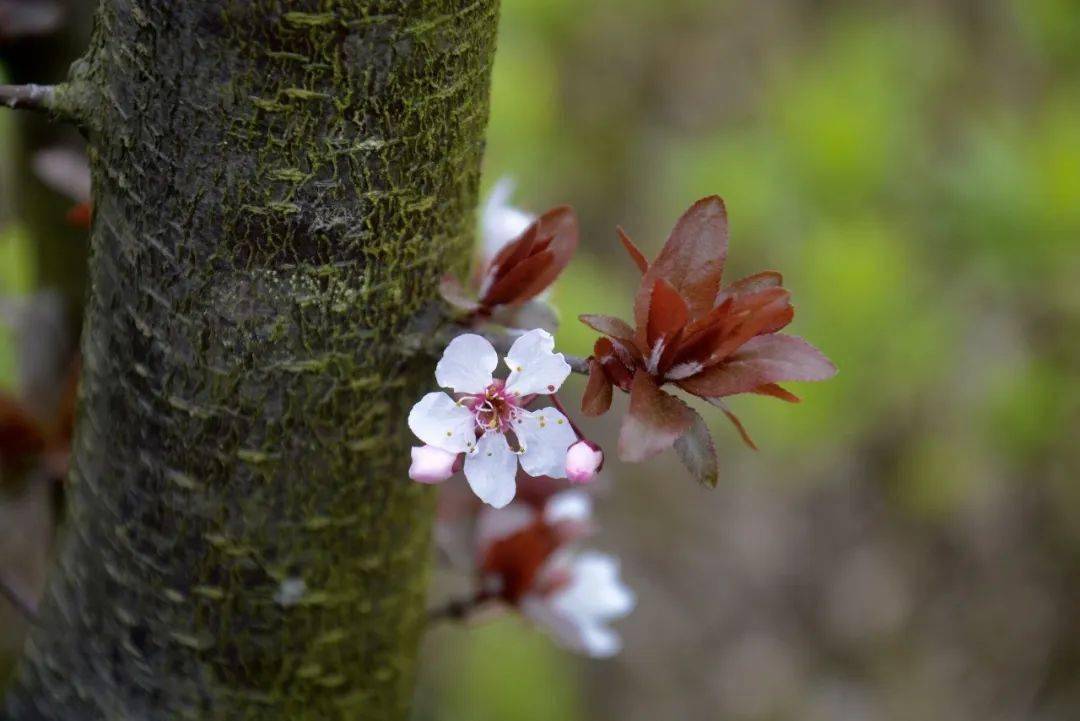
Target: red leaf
(762,360)
(668,314)
(516,274)
(655,421)
(750,285)
(776,391)
(754,315)
(635,254)
(510,255)
(692,260)
(698,454)
(79,216)
(596,400)
(517,559)
(609,325)
(21,435)
(618,360)
(729,326)
(521,282)
(743,433)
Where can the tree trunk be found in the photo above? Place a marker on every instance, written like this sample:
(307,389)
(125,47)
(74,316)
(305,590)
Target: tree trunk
(277,193)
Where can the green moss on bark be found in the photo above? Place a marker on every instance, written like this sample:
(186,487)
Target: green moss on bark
(279,186)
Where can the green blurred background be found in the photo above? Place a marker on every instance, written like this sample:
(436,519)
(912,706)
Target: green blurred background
(906,545)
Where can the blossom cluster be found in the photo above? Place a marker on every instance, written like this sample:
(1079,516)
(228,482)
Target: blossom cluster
(511,437)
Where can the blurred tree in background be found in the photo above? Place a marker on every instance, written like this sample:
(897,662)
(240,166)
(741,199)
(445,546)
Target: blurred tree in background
(907,543)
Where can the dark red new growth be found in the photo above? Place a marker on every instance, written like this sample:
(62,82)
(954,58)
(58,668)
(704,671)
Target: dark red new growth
(708,340)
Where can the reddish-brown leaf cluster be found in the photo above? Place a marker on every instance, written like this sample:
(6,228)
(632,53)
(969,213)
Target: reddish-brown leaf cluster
(517,559)
(689,330)
(26,441)
(522,270)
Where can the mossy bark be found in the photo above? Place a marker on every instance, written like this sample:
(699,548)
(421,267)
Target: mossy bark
(278,187)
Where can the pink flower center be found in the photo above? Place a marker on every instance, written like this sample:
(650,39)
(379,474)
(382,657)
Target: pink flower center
(494,409)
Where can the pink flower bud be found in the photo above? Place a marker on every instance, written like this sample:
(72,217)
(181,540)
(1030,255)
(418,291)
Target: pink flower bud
(431,464)
(583,460)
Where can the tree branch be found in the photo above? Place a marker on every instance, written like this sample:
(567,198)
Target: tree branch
(28,97)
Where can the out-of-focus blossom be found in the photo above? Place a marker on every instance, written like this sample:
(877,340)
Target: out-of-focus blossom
(67,171)
(487,414)
(521,256)
(524,561)
(690,331)
(584,596)
(501,222)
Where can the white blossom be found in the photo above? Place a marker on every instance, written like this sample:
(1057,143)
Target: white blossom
(488,420)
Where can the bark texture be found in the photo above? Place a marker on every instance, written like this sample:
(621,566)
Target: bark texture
(278,186)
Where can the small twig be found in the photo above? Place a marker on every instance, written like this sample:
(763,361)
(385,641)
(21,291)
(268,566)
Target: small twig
(502,340)
(41,98)
(458,609)
(22,604)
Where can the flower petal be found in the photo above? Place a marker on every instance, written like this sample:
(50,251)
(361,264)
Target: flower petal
(576,614)
(431,464)
(490,468)
(439,421)
(596,589)
(572,506)
(467,364)
(762,360)
(655,421)
(534,367)
(501,222)
(545,436)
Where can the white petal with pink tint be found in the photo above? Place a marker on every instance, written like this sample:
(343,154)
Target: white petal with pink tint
(534,366)
(467,364)
(431,464)
(583,460)
(500,221)
(571,506)
(491,469)
(439,421)
(544,436)
(577,614)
